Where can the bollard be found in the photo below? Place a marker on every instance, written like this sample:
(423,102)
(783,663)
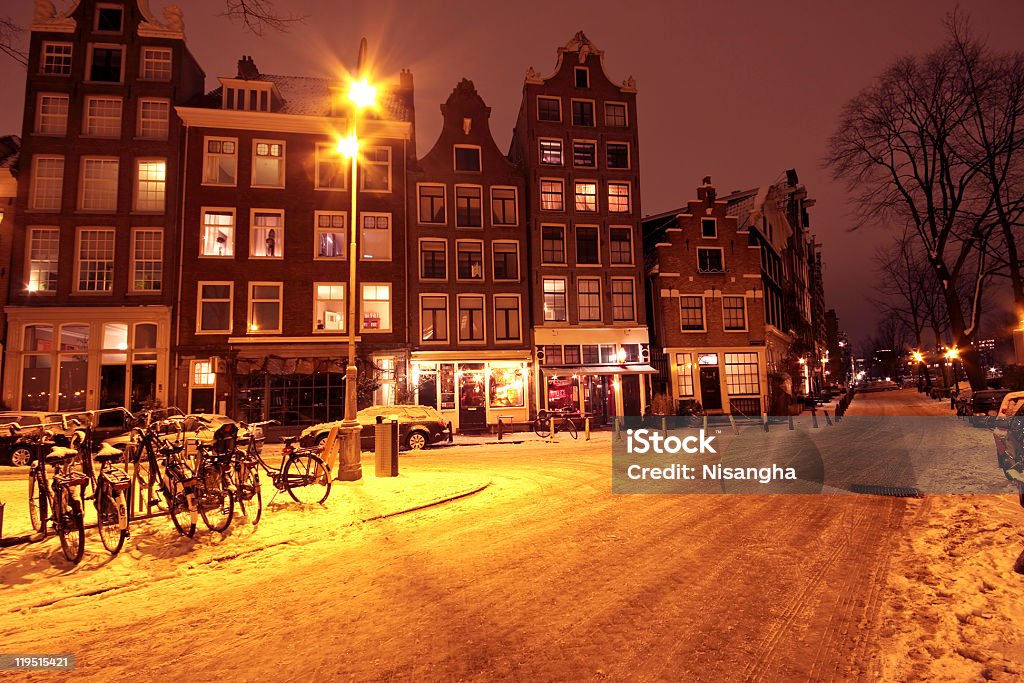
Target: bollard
(828,420)
(814,418)
(791,422)
(586,428)
(501,424)
(551,429)
(617,429)
(764,421)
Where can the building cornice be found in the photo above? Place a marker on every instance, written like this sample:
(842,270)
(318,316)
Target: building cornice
(289,123)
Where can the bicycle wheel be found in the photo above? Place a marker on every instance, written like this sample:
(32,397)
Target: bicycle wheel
(216,502)
(183,514)
(70,525)
(108,521)
(542,425)
(570,426)
(37,504)
(247,484)
(307,479)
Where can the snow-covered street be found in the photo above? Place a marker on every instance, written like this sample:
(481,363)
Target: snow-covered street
(545,575)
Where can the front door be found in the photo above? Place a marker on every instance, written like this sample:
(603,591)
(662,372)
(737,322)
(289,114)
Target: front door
(710,389)
(472,408)
(631,394)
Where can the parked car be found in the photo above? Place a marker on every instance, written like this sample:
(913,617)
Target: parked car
(1011,458)
(12,450)
(200,427)
(1012,408)
(418,427)
(983,406)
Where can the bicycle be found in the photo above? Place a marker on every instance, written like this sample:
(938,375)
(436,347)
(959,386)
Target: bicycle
(110,489)
(55,501)
(302,473)
(244,472)
(174,479)
(563,422)
(214,493)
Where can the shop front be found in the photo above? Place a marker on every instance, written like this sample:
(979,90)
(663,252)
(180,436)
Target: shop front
(472,393)
(72,359)
(726,380)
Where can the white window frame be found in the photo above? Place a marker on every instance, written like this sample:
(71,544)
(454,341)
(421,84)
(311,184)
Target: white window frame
(419,258)
(49,235)
(112,232)
(600,303)
(561,153)
(565,299)
(480,191)
(279,235)
(576,245)
(455,157)
(250,318)
(483,265)
(140,122)
(362,307)
(324,152)
(718,249)
(364,163)
(282,165)
(46,47)
(565,244)
(629,155)
(51,118)
(104,46)
(611,288)
(59,182)
(447,319)
(625,107)
(145,60)
(585,141)
(483,317)
(390,238)
(519,313)
(515,205)
(88,121)
(593,112)
(85,184)
(207,155)
(137,185)
(230,301)
(714,221)
(561,184)
(597,194)
(549,97)
(703,314)
(684,364)
(519,261)
(202,230)
(319,230)
(419,205)
(577,70)
(746,323)
(629,197)
(96,18)
(134,273)
(632,246)
(317,300)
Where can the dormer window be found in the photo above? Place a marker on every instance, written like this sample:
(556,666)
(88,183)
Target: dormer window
(253,98)
(467,158)
(109,19)
(582,76)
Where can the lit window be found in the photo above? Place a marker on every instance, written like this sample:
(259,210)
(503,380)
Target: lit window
(375,169)
(618,197)
(586,196)
(331,229)
(684,373)
(95,259)
(47,183)
(471,318)
(554,299)
(43,255)
(549,109)
(552,196)
(468,207)
(376,308)
(503,206)
(470,257)
(618,154)
(375,236)
(506,260)
(329,308)
(551,152)
(147,259)
(215,307)
(268,164)
(156,63)
(615,114)
(52,115)
(433,260)
(552,244)
(105,63)
(102,117)
(330,168)
(203,374)
(99,185)
(433,318)
(266,234)
(467,158)
(584,154)
(742,374)
(218,233)
(507,325)
(620,245)
(150,185)
(264,307)
(431,204)
(220,165)
(691,313)
(154,119)
(734,312)
(588,292)
(56,59)
(623,307)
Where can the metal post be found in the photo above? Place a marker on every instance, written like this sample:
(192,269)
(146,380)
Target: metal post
(814,418)
(551,429)
(499,427)
(586,427)
(827,418)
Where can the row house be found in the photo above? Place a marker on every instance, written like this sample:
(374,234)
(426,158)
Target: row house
(471,342)
(94,252)
(266,222)
(708,306)
(576,138)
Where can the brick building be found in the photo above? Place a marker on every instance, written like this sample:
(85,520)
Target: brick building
(263,298)
(470,341)
(708,307)
(576,138)
(94,255)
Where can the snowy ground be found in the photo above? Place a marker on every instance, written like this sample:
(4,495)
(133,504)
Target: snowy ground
(546,575)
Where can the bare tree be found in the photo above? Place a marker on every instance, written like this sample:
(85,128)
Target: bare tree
(906,147)
(10,38)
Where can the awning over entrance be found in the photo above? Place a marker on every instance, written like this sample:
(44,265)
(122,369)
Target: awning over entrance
(624,369)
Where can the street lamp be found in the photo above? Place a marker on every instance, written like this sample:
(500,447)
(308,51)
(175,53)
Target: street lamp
(361,94)
(951,355)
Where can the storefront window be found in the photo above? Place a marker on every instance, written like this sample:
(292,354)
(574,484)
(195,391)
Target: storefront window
(507,388)
(562,393)
(74,367)
(425,377)
(447,380)
(35,382)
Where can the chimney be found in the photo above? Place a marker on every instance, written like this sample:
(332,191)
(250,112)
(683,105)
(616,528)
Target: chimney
(706,192)
(247,69)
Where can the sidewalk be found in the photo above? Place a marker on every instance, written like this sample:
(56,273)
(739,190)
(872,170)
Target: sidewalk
(37,573)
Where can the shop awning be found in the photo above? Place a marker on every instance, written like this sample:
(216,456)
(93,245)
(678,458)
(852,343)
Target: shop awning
(624,369)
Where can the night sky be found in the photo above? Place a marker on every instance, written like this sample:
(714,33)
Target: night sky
(738,89)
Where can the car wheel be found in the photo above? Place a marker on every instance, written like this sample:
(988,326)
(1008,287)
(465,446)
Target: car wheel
(20,456)
(416,441)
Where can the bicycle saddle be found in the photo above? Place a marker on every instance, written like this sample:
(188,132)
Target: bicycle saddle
(60,454)
(106,453)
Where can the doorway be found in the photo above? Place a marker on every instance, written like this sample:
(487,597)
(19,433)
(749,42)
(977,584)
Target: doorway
(710,388)
(472,406)
(630,395)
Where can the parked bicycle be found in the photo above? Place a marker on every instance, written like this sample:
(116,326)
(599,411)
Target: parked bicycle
(563,421)
(162,469)
(244,472)
(56,500)
(302,473)
(111,486)
(214,493)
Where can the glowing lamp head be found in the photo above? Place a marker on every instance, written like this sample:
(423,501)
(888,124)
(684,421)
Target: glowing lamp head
(362,94)
(803,361)
(622,355)
(952,354)
(918,356)
(349,146)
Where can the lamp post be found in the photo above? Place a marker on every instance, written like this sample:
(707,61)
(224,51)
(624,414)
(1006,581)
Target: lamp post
(362,95)
(951,355)
(919,359)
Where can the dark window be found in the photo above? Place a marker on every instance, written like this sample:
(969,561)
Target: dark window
(553,244)
(503,206)
(620,245)
(734,312)
(471,318)
(710,261)
(552,355)
(106,65)
(615,114)
(691,313)
(618,155)
(571,355)
(433,261)
(432,204)
(467,159)
(551,152)
(588,299)
(554,300)
(549,109)
(108,19)
(468,207)
(590,355)
(582,76)
(708,227)
(587,246)
(471,261)
(506,318)
(506,261)
(434,318)
(584,154)
(623,305)
(582,113)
